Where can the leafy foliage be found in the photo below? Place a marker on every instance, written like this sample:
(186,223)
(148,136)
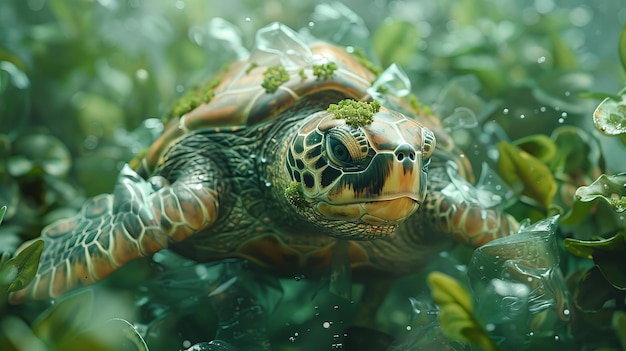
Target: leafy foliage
(456,315)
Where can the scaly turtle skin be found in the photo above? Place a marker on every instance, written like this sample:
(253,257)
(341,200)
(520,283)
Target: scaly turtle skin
(267,173)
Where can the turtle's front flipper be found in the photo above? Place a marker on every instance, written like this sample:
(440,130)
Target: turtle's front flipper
(456,208)
(138,219)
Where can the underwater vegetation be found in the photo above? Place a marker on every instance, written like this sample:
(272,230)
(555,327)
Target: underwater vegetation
(530,90)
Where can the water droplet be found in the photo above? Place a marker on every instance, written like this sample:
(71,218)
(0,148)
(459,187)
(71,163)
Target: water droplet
(490,327)
(541,59)
(542,109)
(186,343)
(568,93)
(408,328)
(564,114)
(505,111)
(311,24)
(566,312)
(327,324)
(557,338)
(561,120)
(522,116)
(336,307)
(248,19)
(180,88)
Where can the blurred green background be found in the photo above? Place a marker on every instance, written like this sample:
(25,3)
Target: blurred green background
(84,83)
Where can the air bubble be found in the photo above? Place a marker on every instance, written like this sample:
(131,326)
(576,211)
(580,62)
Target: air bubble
(505,111)
(327,324)
(542,59)
(248,19)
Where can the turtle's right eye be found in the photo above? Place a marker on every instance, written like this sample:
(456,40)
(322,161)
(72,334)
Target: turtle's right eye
(343,149)
(337,152)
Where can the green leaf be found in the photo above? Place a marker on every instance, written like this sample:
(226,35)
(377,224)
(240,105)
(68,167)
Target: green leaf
(589,248)
(609,255)
(612,267)
(622,47)
(611,189)
(538,145)
(593,291)
(456,311)
(65,319)
(26,263)
(522,170)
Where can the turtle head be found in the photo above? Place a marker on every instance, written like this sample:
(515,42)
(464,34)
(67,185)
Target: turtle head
(359,180)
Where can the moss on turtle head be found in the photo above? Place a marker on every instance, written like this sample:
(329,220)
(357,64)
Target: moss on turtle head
(324,71)
(355,113)
(295,196)
(273,77)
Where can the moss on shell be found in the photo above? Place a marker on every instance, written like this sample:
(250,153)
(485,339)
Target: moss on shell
(324,71)
(252,66)
(355,113)
(302,74)
(196,96)
(274,77)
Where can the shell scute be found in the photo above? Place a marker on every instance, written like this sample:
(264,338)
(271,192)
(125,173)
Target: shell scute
(238,98)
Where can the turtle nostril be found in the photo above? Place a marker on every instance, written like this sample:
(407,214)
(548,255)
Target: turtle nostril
(405,151)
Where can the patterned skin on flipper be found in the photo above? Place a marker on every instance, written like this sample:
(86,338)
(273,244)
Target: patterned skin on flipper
(135,221)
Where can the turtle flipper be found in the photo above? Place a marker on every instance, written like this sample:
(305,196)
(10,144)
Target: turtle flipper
(468,221)
(138,219)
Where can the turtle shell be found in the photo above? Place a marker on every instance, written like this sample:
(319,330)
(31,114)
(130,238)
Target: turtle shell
(271,80)
(238,98)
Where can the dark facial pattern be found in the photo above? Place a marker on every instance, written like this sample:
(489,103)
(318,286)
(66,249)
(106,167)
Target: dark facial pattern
(338,165)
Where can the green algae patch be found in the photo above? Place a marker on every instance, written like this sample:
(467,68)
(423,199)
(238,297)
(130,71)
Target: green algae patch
(195,97)
(274,77)
(325,71)
(252,66)
(302,74)
(295,196)
(355,113)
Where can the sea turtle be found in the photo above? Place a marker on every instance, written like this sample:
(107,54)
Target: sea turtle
(276,161)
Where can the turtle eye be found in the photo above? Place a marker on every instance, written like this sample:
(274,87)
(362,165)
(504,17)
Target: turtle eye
(345,149)
(338,152)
